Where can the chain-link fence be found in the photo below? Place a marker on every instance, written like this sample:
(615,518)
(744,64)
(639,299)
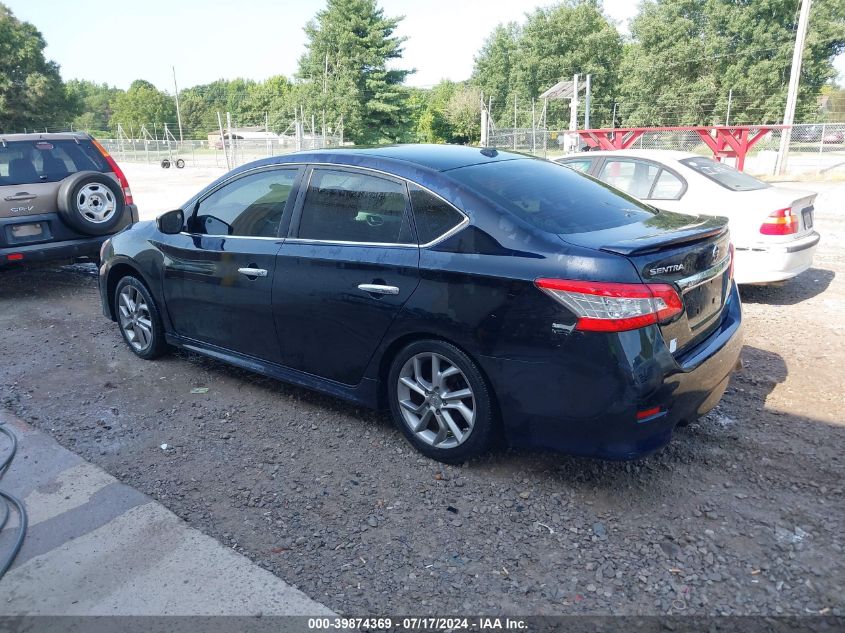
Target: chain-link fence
(224,153)
(814,148)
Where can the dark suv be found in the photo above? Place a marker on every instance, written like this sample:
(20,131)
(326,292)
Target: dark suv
(61,196)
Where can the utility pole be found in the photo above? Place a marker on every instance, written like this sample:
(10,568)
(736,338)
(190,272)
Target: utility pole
(792,93)
(178,112)
(223,140)
(572,140)
(730,100)
(587,103)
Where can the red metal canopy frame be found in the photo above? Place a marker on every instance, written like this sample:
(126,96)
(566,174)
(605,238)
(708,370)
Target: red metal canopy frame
(725,141)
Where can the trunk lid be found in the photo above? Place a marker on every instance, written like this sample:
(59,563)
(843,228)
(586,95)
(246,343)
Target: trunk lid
(691,253)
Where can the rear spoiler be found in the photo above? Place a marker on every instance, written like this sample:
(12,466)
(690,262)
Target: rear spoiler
(704,229)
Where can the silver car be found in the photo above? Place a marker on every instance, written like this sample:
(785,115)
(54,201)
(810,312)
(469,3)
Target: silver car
(61,197)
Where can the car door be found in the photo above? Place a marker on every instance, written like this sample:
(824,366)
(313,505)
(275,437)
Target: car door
(349,265)
(218,274)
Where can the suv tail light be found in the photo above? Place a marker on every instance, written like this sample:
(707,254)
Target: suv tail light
(613,307)
(780,222)
(121,178)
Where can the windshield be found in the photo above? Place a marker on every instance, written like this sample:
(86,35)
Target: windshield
(30,162)
(552,197)
(723,174)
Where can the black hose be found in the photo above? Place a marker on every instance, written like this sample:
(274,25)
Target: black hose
(7,499)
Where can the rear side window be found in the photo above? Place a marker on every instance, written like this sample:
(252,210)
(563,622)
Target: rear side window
(634,177)
(30,162)
(433,216)
(251,206)
(349,206)
(582,164)
(552,197)
(723,174)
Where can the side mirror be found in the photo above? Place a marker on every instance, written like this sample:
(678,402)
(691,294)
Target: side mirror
(172,222)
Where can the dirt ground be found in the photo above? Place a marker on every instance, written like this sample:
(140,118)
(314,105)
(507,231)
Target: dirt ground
(741,514)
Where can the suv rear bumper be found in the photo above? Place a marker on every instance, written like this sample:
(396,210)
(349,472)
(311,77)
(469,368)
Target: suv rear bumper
(52,251)
(64,243)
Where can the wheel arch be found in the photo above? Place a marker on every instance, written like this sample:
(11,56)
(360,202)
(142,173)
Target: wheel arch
(399,343)
(118,271)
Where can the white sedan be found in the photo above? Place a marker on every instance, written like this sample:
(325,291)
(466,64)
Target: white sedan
(771,227)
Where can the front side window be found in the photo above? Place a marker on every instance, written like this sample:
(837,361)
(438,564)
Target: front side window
(349,206)
(433,216)
(723,174)
(251,206)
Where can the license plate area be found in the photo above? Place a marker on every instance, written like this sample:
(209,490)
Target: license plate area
(807,216)
(27,230)
(26,233)
(705,301)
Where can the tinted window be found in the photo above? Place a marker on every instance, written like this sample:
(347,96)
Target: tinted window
(667,187)
(724,174)
(551,196)
(348,206)
(578,165)
(30,162)
(433,216)
(634,177)
(251,206)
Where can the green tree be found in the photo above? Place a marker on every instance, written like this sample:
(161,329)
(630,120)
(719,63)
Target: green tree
(494,65)
(687,55)
(143,104)
(31,90)
(90,104)
(574,36)
(344,71)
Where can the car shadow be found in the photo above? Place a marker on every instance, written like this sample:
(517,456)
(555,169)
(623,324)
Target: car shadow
(810,283)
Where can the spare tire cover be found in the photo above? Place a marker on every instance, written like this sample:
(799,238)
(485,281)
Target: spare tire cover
(91,202)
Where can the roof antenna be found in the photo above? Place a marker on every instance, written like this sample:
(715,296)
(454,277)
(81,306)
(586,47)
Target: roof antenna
(490,152)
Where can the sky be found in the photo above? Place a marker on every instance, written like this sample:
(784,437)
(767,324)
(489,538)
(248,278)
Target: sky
(118,41)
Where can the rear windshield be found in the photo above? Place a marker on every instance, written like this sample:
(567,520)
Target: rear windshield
(29,162)
(552,197)
(723,174)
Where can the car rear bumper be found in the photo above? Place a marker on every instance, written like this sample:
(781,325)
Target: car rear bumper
(767,264)
(589,406)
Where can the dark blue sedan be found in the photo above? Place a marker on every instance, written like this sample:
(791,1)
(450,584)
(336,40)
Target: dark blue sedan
(473,292)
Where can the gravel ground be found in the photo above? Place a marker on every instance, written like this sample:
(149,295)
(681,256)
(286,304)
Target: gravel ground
(741,514)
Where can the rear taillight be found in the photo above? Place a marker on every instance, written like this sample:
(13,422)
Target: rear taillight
(121,178)
(613,307)
(780,222)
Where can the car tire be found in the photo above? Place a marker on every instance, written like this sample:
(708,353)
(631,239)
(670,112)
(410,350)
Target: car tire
(180,164)
(91,202)
(139,319)
(422,408)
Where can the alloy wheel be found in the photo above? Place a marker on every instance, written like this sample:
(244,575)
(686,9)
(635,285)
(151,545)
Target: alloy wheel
(436,400)
(135,320)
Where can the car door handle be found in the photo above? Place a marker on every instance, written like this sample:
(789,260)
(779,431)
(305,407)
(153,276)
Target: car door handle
(377,289)
(23,195)
(253,272)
